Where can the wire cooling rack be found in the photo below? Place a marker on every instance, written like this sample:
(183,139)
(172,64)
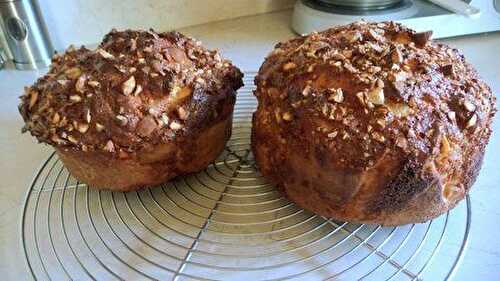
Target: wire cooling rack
(226,222)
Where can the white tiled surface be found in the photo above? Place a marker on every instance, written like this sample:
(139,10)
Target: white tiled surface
(246,41)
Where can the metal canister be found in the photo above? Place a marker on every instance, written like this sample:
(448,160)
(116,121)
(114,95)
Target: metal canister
(2,59)
(26,34)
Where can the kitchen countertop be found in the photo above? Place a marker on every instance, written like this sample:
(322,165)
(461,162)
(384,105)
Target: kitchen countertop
(246,41)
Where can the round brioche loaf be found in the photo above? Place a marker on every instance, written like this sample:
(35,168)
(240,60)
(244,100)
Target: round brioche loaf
(371,123)
(142,108)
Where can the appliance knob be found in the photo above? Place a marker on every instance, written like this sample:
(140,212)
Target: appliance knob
(17,29)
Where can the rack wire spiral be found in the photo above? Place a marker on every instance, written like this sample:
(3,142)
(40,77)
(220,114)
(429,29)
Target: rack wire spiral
(226,222)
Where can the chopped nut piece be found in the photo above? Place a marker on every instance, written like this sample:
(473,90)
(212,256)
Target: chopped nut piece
(376,96)
(122,120)
(128,86)
(353,36)
(183,114)
(75,98)
(399,109)
(350,68)
(337,95)
(397,56)
(380,83)
(62,82)
(421,38)
(288,66)
(469,106)
(381,123)
(287,116)
(311,54)
(306,91)
(374,69)
(56,118)
(80,83)
(445,147)
(87,116)
(378,137)
(325,109)
(158,67)
(361,97)
(332,134)
(452,115)
(57,139)
(146,126)
(175,126)
(376,47)
(110,146)
(472,121)
(153,111)
(375,35)
(402,142)
(347,53)
(33,99)
(277,115)
(164,119)
(99,127)
(399,76)
(63,122)
(82,128)
(345,136)
(138,90)
(338,56)
(72,139)
(73,72)
(105,54)
(448,70)
(94,83)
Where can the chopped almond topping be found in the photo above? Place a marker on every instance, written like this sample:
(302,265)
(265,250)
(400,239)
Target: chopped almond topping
(128,86)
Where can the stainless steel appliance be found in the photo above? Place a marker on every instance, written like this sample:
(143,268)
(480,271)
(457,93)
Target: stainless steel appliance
(25,32)
(317,15)
(2,60)
(362,4)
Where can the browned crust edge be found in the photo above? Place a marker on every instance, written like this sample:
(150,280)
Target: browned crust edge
(164,162)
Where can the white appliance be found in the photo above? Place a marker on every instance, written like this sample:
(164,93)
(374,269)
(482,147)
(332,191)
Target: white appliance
(317,15)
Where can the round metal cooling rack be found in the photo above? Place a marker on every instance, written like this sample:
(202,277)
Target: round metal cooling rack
(226,222)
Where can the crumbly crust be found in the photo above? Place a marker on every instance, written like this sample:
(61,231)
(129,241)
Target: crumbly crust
(370,100)
(138,89)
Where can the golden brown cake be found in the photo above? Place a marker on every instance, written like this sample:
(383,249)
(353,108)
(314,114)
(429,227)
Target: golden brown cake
(371,123)
(142,108)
